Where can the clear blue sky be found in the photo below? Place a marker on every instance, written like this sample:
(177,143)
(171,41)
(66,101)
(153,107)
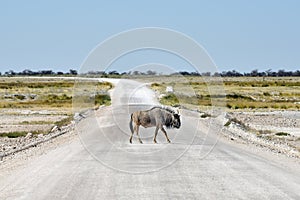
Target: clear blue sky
(238,34)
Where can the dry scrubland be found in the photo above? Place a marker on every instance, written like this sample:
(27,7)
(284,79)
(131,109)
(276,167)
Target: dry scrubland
(37,105)
(263,93)
(262,110)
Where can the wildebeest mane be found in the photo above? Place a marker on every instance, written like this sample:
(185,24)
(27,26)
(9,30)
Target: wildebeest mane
(163,108)
(168,122)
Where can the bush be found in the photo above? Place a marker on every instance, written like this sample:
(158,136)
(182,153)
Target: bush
(102,99)
(155,85)
(169,99)
(64,121)
(282,134)
(16,134)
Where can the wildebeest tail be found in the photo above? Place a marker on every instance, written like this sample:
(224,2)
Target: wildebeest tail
(130,124)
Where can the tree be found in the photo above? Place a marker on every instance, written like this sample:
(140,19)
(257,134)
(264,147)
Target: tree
(206,74)
(217,74)
(136,73)
(113,72)
(10,73)
(269,72)
(27,72)
(73,72)
(46,72)
(254,72)
(296,73)
(195,74)
(185,73)
(151,73)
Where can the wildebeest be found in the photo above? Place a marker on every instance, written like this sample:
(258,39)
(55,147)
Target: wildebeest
(156,116)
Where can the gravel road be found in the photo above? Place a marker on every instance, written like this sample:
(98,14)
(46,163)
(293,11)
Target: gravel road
(100,163)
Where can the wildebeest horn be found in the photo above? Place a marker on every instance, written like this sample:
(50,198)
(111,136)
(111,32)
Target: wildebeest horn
(177,111)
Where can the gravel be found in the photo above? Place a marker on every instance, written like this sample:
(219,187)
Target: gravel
(260,128)
(9,146)
(275,121)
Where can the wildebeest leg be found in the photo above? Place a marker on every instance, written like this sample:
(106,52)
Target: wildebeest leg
(163,130)
(130,139)
(137,132)
(155,134)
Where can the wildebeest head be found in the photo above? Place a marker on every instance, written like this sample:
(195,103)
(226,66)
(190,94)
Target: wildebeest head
(176,120)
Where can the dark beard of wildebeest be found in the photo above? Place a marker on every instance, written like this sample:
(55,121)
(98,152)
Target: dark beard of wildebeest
(155,117)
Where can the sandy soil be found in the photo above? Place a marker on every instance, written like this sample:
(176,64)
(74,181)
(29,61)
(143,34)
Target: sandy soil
(275,121)
(18,120)
(264,128)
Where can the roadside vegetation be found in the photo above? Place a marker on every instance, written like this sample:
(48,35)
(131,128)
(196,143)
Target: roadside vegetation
(30,93)
(49,101)
(239,92)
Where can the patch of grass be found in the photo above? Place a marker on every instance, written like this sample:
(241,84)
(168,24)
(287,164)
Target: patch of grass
(238,96)
(35,84)
(53,95)
(205,115)
(264,132)
(243,82)
(105,85)
(266,94)
(282,134)
(47,94)
(16,134)
(20,97)
(102,99)
(169,99)
(64,121)
(197,83)
(54,100)
(62,97)
(156,85)
(227,123)
(36,122)
(172,99)
(242,92)
(260,105)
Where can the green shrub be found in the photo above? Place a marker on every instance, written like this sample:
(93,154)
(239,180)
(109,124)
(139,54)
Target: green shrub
(16,134)
(64,121)
(205,115)
(227,123)
(282,134)
(155,85)
(102,99)
(169,99)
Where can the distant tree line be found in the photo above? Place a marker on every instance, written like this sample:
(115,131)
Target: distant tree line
(28,72)
(230,73)
(114,73)
(253,73)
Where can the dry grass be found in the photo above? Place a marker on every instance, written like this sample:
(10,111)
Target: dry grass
(233,93)
(15,134)
(55,96)
(46,94)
